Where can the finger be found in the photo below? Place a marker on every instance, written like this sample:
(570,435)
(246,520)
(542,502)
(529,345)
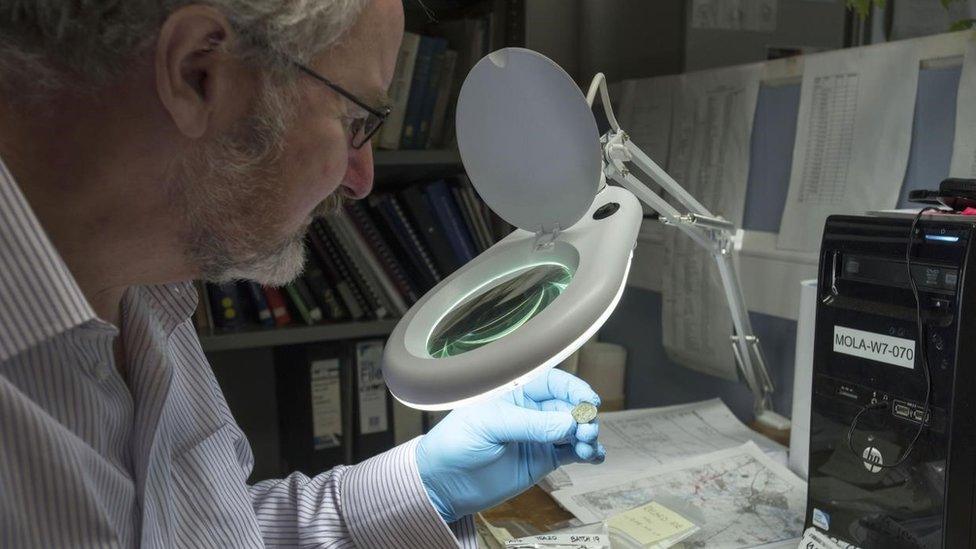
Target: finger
(554,405)
(588,432)
(585,451)
(560,385)
(515,424)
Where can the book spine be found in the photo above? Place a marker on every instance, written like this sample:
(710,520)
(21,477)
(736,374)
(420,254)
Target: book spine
(478,208)
(261,309)
(276,302)
(431,88)
(389,137)
(421,76)
(374,269)
(468,217)
(444,91)
(225,301)
(422,214)
(304,312)
(374,292)
(348,270)
(323,294)
(202,317)
(450,220)
(405,235)
(367,229)
(335,268)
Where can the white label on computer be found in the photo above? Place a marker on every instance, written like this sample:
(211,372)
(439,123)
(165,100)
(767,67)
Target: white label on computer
(878,347)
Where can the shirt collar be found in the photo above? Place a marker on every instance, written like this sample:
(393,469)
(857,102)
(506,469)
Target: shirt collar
(38,296)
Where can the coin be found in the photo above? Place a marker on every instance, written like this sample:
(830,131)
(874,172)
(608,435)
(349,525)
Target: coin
(584,412)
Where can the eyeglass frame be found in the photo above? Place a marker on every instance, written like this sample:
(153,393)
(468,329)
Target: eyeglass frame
(382,114)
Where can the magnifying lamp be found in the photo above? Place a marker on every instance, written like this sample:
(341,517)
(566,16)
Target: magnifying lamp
(530,145)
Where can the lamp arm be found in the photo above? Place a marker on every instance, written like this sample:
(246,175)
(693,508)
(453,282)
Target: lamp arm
(713,234)
(599,83)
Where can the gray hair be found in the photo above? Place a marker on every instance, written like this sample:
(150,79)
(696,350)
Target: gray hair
(45,42)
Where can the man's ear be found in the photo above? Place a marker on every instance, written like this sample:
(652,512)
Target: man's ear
(192,70)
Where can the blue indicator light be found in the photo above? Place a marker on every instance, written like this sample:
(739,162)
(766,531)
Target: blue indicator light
(942,238)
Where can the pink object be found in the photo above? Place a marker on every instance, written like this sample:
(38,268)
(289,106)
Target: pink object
(968,211)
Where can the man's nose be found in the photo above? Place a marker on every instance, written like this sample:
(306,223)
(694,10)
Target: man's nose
(359,173)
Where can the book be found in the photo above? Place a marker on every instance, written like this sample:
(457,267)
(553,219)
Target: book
(301,300)
(410,246)
(202,315)
(360,218)
(372,407)
(363,273)
(261,310)
(227,305)
(338,272)
(389,137)
(470,37)
(445,91)
(451,222)
(418,87)
(468,215)
(477,208)
(431,88)
(314,383)
(278,306)
(375,272)
(323,294)
(422,217)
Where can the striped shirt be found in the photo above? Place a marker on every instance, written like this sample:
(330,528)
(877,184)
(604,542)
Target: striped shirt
(89,459)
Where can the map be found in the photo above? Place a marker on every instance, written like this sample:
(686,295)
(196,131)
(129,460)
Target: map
(738,497)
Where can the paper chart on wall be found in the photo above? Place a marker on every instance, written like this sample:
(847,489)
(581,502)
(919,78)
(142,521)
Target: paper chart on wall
(709,156)
(742,15)
(644,113)
(852,139)
(964,147)
(739,497)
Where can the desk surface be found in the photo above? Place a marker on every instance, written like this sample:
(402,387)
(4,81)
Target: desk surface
(538,509)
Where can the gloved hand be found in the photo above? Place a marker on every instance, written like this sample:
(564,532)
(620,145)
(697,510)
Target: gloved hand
(483,454)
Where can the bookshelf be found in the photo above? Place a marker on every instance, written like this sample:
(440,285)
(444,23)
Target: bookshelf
(294,335)
(410,158)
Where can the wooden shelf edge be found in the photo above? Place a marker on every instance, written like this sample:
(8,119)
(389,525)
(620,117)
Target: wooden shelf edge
(425,157)
(273,337)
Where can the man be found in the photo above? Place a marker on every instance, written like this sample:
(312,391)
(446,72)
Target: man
(147,143)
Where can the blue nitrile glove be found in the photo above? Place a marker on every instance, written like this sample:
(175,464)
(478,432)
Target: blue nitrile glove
(481,455)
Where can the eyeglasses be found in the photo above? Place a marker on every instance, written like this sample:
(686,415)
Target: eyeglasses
(362,128)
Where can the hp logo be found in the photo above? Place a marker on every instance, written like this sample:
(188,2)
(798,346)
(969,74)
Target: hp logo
(872,459)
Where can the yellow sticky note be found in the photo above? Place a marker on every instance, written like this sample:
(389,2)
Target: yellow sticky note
(650,523)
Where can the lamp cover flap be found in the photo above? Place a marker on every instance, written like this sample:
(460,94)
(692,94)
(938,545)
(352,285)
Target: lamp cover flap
(528,140)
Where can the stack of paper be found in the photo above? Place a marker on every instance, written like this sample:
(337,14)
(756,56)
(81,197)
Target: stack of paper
(737,497)
(637,440)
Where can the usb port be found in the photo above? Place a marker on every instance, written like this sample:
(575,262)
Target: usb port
(844,392)
(902,411)
(921,416)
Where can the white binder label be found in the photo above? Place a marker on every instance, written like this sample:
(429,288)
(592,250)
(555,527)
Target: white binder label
(896,351)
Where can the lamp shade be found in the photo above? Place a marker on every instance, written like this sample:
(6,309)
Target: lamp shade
(530,146)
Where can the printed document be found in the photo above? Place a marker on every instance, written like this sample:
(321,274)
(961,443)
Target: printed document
(853,135)
(964,148)
(643,110)
(739,497)
(709,157)
(745,15)
(639,439)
